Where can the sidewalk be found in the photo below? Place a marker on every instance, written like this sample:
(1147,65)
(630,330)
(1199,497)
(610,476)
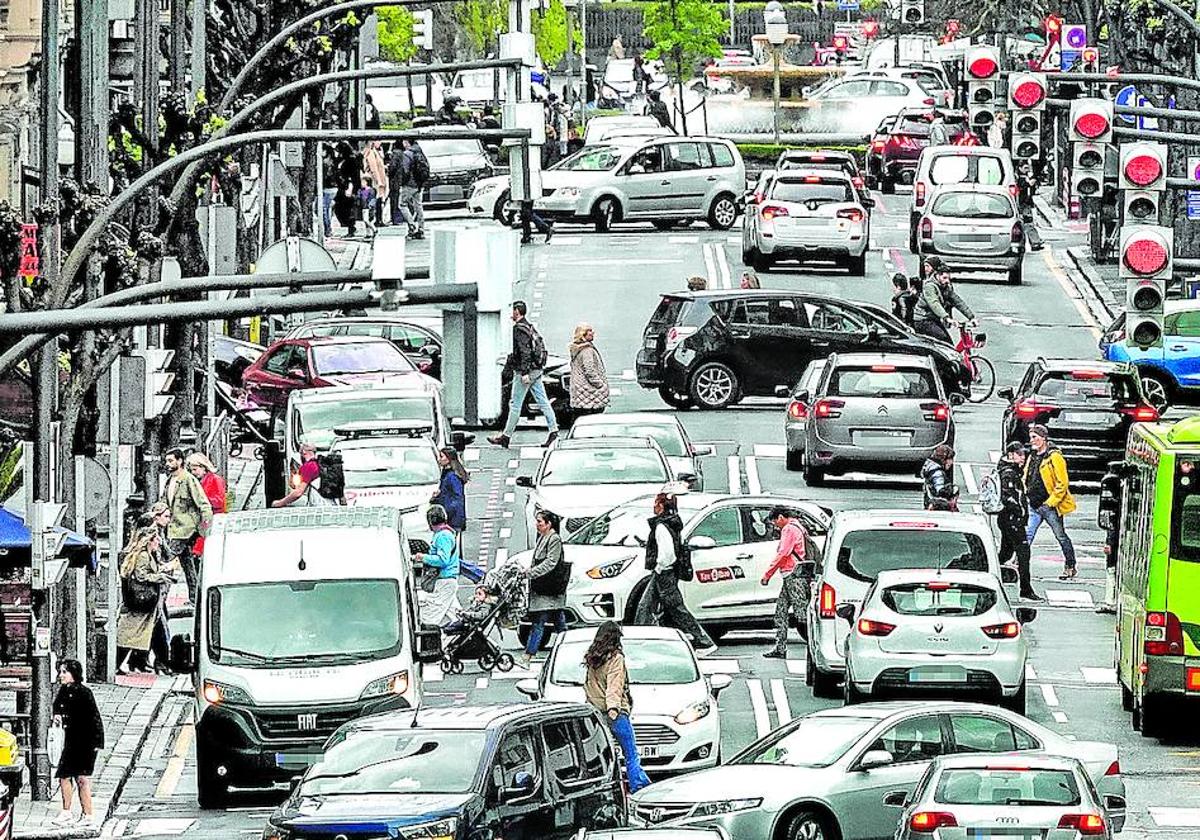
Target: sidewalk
(127,707)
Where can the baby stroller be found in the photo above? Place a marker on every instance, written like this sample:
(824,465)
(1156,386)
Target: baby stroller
(469,637)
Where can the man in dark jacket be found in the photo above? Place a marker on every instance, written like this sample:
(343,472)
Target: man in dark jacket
(656,108)
(1014,517)
(526,363)
(935,307)
(937,476)
(664,547)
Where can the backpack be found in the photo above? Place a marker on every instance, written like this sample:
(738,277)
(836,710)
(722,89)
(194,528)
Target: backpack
(333,478)
(989,493)
(419,172)
(683,563)
(537,347)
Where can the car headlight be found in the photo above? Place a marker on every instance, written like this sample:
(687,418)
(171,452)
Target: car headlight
(725,806)
(694,712)
(394,684)
(567,192)
(481,189)
(215,692)
(443,829)
(273,832)
(609,570)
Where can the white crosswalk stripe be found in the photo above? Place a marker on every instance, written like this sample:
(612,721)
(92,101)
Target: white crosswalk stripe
(1077,599)
(758,704)
(1175,817)
(779,698)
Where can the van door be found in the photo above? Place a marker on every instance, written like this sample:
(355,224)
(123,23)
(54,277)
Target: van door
(645,182)
(518,801)
(689,170)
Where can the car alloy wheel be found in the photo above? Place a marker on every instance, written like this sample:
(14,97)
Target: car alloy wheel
(714,385)
(723,213)
(807,826)
(1155,392)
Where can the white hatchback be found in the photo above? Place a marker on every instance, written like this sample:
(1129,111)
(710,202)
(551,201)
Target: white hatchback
(675,717)
(937,632)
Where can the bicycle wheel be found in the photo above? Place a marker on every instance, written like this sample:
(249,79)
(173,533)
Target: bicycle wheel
(983,383)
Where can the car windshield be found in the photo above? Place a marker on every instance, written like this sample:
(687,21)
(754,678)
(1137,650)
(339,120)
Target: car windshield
(882,382)
(1092,388)
(389,466)
(408,761)
(939,598)
(604,466)
(974,169)
(668,437)
(802,192)
(813,741)
(312,621)
(359,357)
(866,553)
(1007,786)
(649,662)
(315,422)
(444,148)
(973,205)
(591,159)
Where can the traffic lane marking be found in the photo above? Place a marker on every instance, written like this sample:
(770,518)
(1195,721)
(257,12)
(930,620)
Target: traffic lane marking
(169,781)
(758,703)
(779,697)
(1048,694)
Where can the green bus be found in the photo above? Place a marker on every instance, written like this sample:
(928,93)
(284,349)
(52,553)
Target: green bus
(1158,571)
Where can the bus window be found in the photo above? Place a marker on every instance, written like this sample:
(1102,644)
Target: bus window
(1185,524)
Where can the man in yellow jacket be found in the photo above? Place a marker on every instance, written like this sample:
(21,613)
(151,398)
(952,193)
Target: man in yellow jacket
(1049,492)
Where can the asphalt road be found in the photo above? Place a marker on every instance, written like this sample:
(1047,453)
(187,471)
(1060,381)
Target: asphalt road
(613,282)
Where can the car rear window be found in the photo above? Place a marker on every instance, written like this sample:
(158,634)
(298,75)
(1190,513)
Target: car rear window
(1086,387)
(667,313)
(801,192)
(721,155)
(973,205)
(939,598)
(1017,786)
(966,169)
(917,126)
(882,381)
(864,554)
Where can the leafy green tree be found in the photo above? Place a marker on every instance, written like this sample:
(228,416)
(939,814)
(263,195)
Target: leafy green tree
(550,31)
(481,22)
(396,33)
(683,33)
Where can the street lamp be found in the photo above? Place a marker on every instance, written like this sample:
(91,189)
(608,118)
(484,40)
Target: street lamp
(777,34)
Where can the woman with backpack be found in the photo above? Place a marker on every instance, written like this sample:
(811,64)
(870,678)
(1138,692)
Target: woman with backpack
(316,486)
(548,578)
(940,492)
(144,579)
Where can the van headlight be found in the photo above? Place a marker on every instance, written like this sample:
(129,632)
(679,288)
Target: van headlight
(443,829)
(216,693)
(694,712)
(394,684)
(724,806)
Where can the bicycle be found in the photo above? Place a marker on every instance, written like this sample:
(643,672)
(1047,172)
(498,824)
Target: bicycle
(983,374)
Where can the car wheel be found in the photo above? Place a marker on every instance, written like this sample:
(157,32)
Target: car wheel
(795,460)
(810,667)
(501,215)
(851,695)
(809,825)
(1016,275)
(825,685)
(634,604)
(814,476)
(857,265)
(887,186)
(714,385)
(750,256)
(604,214)
(1016,703)
(1157,391)
(912,238)
(673,398)
(723,212)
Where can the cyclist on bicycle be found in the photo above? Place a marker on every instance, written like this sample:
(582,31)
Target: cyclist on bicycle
(938,300)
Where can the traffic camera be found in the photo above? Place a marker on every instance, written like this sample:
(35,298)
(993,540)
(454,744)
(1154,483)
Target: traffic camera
(1143,180)
(1091,121)
(1087,169)
(912,12)
(1146,264)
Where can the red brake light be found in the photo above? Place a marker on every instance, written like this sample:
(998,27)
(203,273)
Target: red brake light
(877,145)
(1008,630)
(1162,635)
(772,210)
(1192,679)
(1088,825)
(919,191)
(937,586)
(853,214)
(1114,769)
(936,411)
(926,228)
(817,157)
(883,368)
(1143,170)
(867,627)
(1142,413)
(1027,409)
(926,822)
(812,179)
(930,101)
(797,410)
(828,602)
(1087,374)
(912,524)
(829,408)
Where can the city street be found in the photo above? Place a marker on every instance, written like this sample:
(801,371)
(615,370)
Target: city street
(613,281)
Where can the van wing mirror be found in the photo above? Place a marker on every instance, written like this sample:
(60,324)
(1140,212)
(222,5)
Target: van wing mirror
(530,688)
(1006,393)
(522,786)
(461,440)
(429,644)
(183,654)
(524,481)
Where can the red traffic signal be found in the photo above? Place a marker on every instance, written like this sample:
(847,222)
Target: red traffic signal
(982,63)
(840,43)
(1091,120)
(1026,90)
(1053,24)
(870,28)
(1145,251)
(1142,164)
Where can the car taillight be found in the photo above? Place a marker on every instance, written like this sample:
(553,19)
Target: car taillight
(926,822)
(797,410)
(867,627)
(828,601)
(938,412)
(930,101)
(1114,769)
(851,213)
(1089,825)
(675,335)
(1014,190)
(926,228)
(772,210)
(829,408)
(1141,413)
(858,182)
(1027,409)
(877,145)
(1007,630)
(1191,679)
(1018,233)
(1162,634)
(919,192)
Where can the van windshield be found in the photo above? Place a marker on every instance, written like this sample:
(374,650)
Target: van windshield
(864,554)
(313,622)
(315,423)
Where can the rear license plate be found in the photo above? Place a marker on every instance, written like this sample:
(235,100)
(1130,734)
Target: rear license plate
(975,237)
(937,675)
(648,751)
(1085,418)
(881,437)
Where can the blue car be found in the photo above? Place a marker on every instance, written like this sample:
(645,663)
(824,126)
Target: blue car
(1170,374)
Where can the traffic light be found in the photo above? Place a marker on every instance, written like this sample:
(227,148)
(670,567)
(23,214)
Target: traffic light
(1091,121)
(1026,100)
(1087,169)
(870,28)
(423,28)
(157,399)
(1090,60)
(1143,180)
(912,12)
(983,66)
(1146,263)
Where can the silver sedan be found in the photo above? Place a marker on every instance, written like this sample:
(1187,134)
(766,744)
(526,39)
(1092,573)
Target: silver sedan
(827,774)
(1011,795)
(973,227)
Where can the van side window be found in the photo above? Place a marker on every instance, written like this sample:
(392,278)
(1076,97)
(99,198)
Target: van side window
(685,157)
(562,752)
(597,753)
(721,155)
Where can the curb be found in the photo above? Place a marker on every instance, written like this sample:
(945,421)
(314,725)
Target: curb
(1100,291)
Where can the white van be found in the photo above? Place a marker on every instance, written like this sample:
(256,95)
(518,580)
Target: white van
(307,618)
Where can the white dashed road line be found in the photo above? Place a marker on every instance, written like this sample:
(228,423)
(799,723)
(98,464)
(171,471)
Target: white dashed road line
(1049,694)
(779,697)
(753,484)
(735,474)
(758,703)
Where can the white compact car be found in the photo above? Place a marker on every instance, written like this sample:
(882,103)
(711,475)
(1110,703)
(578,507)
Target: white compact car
(731,543)
(579,479)
(943,632)
(661,427)
(862,544)
(675,717)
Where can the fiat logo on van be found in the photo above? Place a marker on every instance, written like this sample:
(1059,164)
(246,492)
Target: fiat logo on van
(306,722)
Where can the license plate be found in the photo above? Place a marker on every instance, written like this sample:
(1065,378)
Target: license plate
(881,437)
(648,751)
(937,675)
(296,759)
(1086,418)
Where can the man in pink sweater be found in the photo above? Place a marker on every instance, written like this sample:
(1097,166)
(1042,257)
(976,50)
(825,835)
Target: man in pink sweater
(788,555)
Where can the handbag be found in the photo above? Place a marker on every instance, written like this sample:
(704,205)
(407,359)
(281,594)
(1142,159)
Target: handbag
(429,578)
(554,582)
(138,597)
(54,745)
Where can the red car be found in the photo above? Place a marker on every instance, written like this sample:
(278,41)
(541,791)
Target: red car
(295,363)
(895,147)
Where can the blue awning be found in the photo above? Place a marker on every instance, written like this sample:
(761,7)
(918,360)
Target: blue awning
(15,543)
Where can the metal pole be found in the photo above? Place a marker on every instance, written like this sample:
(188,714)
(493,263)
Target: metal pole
(732,23)
(199,67)
(94,111)
(775,89)
(177,69)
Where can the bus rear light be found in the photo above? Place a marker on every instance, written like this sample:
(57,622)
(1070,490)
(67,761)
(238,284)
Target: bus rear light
(1162,634)
(1192,679)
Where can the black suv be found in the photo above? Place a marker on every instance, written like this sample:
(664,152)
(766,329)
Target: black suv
(463,772)
(1087,406)
(711,349)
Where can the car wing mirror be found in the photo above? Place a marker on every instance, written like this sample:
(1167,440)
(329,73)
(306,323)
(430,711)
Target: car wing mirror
(802,396)
(846,611)
(522,785)
(896,799)
(703,450)
(461,440)
(875,758)
(524,481)
(868,203)
(686,477)
(957,399)
(718,683)
(1026,615)
(429,644)
(783,391)
(296,373)
(1008,574)
(700,543)
(530,688)
(1006,393)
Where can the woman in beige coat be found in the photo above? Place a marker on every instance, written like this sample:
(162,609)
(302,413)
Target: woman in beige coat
(144,580)
(606,687)
(375,166)
(589,380)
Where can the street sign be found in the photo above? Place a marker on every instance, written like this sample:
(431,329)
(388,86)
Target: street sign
(1193,196)
(1074,39)
(1126,97)
(848,5)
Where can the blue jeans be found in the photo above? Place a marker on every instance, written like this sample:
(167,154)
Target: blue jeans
(519,390)
(623,730)
(1052,518)
(538,628)
(327,196)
